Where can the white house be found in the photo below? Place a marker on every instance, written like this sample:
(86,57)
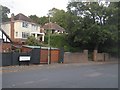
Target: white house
(20,27)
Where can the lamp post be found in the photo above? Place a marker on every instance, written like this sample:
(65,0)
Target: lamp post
(49,39)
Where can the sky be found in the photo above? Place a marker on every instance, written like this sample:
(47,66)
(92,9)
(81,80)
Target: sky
(33,7)
(36,7)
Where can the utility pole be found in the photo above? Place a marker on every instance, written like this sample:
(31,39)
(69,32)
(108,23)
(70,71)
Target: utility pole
(0,15)
(49,39)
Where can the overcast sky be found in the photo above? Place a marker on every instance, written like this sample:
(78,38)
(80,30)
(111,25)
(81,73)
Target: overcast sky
(32,7)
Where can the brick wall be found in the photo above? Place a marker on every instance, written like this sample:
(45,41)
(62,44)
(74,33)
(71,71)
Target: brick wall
(100,56)
(5,47)
(76,57)
(26,49)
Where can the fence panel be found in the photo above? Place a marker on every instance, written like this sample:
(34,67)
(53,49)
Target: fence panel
(35,56)
(54,55)
(15,58)
(6,59)
(61,58)
(44,56)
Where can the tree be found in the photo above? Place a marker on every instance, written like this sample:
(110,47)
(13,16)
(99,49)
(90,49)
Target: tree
(31,40)
(93,25)
(59,16)
(34,18)
(39,20)
(5,12)
(43,20)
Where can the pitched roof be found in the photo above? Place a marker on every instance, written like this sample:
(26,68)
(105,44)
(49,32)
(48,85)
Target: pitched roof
(53,26)
(20,16)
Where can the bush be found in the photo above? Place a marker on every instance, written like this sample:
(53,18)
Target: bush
(57,41)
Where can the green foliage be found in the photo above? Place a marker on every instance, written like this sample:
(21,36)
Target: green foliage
(5,12)
(34,18)
(56,40)
(88,24)
(94,27)
(59,16)
(60,41)
(32,41)
(39,20)
(43,20)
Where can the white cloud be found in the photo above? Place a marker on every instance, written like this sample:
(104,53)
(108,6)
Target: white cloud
(31,7)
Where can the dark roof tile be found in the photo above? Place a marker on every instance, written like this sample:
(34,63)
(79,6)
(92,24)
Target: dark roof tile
(53,26)
(20,16)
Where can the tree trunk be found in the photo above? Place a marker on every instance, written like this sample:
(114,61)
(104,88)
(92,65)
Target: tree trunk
(96,47)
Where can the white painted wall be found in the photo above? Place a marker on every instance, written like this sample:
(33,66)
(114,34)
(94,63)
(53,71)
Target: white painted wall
(4,37)
(6,28)
(19,28)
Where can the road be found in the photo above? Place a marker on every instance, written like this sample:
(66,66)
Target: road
(62,76)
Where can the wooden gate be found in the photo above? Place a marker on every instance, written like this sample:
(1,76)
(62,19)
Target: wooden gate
(54,55)
(44,56)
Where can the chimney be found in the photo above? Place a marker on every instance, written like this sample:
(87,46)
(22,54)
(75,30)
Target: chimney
(12,27)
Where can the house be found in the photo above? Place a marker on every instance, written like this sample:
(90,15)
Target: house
(55,28)
(20,27)
(5,42)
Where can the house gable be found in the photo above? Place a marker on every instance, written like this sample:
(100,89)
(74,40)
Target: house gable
(4,37)
(5,42)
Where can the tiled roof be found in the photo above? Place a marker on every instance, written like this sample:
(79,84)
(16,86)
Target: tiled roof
(20,16)
(53,26)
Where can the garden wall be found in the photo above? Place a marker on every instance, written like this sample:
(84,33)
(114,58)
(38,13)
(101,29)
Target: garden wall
(76,57)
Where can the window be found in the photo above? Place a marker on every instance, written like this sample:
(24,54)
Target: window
(24,24)
(16,34)
(25,35)
(34,27)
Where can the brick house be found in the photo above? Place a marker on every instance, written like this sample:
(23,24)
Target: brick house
(5,42)
(20,27)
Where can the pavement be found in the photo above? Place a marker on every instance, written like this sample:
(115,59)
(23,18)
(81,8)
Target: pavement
(17,68)
(75,75)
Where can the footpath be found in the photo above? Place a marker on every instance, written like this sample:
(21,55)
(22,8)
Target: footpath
(17,68)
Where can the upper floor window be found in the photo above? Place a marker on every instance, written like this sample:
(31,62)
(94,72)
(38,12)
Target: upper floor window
(35,27)
(24,24)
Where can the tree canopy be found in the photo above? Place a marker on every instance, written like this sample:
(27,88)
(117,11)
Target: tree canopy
(5,12)
(89,25)
(94,24)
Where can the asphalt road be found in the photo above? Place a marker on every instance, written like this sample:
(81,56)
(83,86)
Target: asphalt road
(63,76)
